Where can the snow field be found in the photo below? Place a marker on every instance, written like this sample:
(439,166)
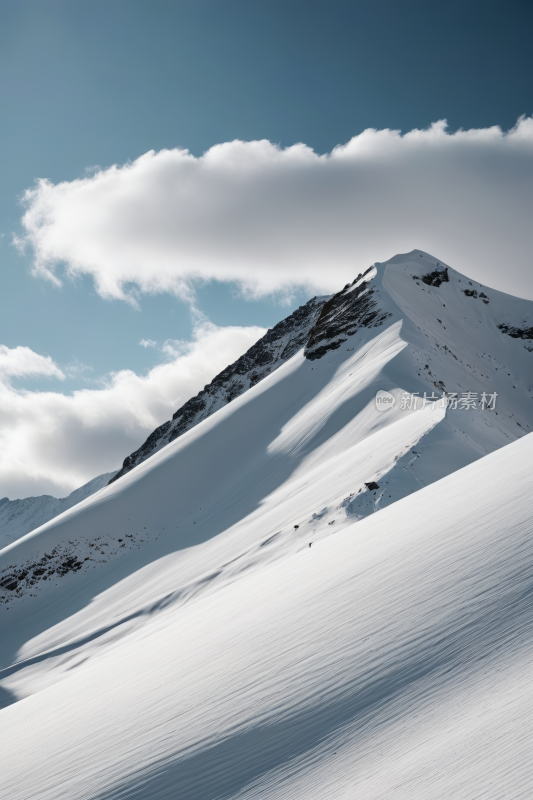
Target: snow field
(391,659)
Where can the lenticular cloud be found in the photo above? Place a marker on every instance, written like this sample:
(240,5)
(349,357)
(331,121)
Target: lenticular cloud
(271,219)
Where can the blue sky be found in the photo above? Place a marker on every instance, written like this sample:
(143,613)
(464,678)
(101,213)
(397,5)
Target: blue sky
(103,82)
(88,85)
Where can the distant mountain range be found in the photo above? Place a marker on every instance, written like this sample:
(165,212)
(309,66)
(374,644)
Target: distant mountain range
(18,517)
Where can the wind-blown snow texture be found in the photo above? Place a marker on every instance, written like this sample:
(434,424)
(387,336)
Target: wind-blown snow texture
(175,635)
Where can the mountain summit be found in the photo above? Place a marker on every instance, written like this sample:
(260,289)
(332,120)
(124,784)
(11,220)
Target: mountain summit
(313,582)
(476,323)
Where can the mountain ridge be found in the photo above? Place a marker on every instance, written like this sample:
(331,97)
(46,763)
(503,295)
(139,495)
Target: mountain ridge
(320,326)
(273,349)
(415,354)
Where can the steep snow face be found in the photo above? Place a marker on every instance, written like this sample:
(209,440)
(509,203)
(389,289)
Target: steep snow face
(458,346)
(319,326)
(266,355)
(392,659)
(18,517)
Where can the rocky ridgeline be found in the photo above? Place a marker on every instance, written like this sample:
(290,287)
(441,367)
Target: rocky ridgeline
(321,325)
(273,349)
(356,306)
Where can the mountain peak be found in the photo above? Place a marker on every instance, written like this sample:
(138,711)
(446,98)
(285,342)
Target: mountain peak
(411,287)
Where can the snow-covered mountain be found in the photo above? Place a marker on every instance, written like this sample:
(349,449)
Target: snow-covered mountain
(465,348)
(18,517)
(222,621)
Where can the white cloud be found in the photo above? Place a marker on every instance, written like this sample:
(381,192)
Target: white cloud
(273,219)
(19,362)
(148,343)
(52,443)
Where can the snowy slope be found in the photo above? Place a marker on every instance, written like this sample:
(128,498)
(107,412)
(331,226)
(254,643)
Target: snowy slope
(391,659)
(176,628)
(273,349)
(18,517)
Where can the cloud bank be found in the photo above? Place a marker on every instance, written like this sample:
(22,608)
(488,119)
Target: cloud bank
(272,219)
(51,443)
